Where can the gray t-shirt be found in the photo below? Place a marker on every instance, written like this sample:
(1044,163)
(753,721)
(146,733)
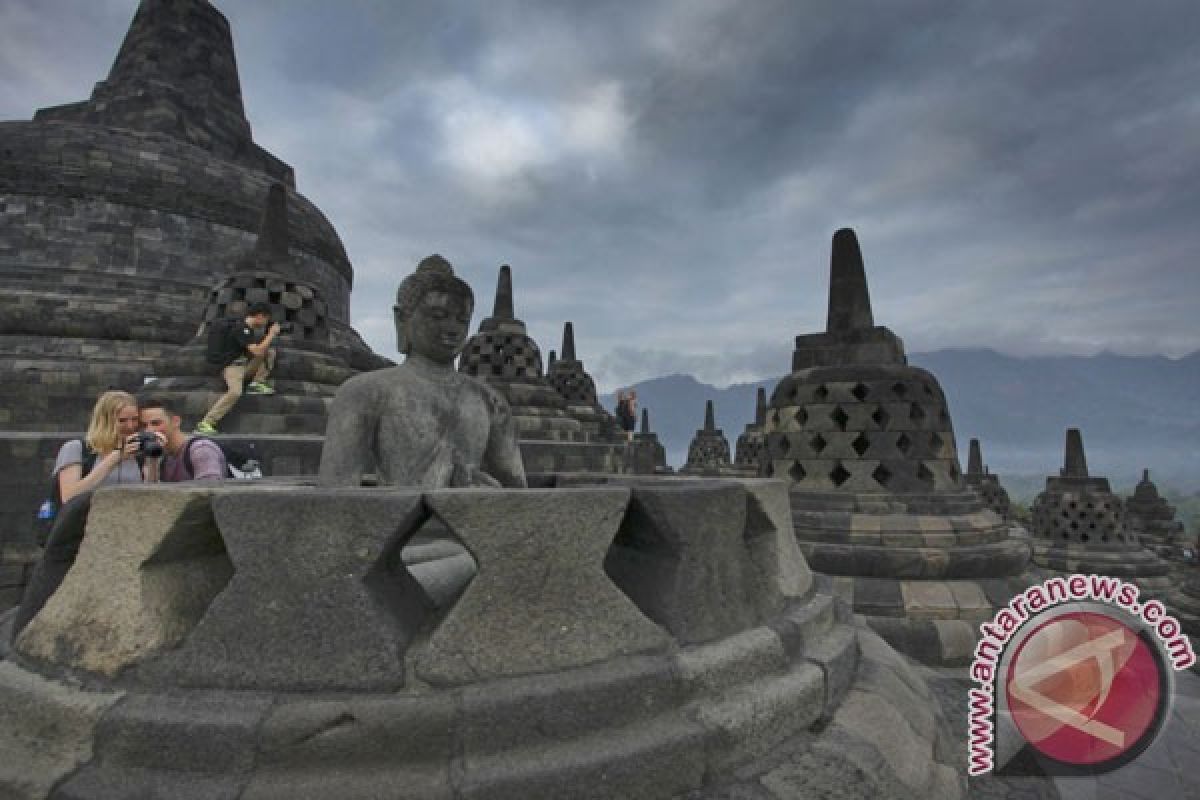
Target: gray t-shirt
(72,453)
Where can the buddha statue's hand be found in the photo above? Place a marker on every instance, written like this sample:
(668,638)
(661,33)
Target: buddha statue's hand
(467,477)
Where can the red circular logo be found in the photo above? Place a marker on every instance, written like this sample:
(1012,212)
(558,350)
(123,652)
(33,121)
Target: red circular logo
(1085,689)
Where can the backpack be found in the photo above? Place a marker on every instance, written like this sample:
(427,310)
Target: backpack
(43,518)
(241,461)
(220,349)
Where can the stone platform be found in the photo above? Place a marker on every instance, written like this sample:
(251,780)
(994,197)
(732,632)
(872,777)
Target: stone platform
(655,639)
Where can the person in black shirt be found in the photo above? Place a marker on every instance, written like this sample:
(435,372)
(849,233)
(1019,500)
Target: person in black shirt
(238,349)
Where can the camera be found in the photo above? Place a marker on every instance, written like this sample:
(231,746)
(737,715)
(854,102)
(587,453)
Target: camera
(149,445)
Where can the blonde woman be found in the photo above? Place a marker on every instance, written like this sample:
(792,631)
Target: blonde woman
(106,455)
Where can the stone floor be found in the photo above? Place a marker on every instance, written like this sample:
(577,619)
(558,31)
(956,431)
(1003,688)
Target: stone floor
(1169,769)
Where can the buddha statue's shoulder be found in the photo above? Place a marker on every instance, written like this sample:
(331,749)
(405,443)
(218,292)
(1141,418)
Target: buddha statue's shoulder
(372,387)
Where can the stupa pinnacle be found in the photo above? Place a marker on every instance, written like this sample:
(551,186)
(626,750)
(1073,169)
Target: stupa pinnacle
(176,74)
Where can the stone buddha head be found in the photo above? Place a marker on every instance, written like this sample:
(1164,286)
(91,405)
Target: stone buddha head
(433,311)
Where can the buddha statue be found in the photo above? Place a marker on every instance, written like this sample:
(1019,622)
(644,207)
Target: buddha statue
(423,423)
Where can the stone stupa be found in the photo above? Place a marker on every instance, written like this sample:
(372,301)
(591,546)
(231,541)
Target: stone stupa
(877,498)
(1153,519)
(749,448)
(708,452)
(647,456)
(555,436)
(571,380)
(1079,525)
(506,357)
(988,485)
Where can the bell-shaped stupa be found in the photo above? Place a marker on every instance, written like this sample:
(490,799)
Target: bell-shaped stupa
(647,456)
(1079,525)
(877,497)
(504,355)
(988,485)
(571,380)
(708,452)
(1152,518)
(749,448)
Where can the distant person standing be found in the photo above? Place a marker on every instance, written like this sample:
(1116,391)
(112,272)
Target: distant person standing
(239,347)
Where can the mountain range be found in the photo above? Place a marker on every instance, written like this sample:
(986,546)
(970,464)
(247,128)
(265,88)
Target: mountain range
(1135,412)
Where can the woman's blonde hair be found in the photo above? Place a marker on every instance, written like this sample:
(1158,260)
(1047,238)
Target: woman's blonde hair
(102,433)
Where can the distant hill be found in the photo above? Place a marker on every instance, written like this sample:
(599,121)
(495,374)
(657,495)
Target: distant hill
(1134,412)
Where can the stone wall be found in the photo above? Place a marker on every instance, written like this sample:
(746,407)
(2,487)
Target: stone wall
(149,205)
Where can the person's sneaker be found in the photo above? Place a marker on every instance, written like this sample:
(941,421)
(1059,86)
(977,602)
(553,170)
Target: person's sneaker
(257,387)
(206,428)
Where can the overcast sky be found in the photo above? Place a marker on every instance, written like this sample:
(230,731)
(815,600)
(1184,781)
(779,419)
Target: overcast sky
(668,173)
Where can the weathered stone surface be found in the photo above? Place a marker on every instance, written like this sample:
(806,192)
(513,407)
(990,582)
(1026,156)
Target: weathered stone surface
(769,536)
(46,731)
(150,564)
(541,600)
(357,748)
(681,555)
(319,598)
(661,758)
(517,713)
(750,720)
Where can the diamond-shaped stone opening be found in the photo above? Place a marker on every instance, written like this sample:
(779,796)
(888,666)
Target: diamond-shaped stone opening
(860,391)
(432,543)
(904,444)
(881,417)
(899,389)
(821,393)
(801,417)
(928,390)
(775,418)
(916,413)
(923,474)
(840,418)
(882,475)
(797,472)
(861,444)
(936,442)
(839,475)
(784,446)
(818,443)
(795,395)
(200,547)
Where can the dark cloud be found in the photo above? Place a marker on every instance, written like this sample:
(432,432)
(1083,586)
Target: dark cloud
(667,174)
